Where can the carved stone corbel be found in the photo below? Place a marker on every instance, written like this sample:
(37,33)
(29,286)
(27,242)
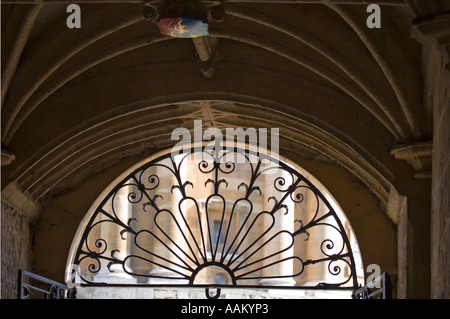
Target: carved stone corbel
(418,155)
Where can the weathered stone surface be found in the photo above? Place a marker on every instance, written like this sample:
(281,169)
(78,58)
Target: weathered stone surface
(433,31)
(440,227)
(16,249)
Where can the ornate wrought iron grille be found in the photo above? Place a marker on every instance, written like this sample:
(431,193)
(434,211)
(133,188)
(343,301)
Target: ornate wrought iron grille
(231,219)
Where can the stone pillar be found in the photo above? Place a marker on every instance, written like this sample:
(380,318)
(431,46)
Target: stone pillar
(282,222)
(397,210)
(308,247)
(111,233)
(410,206)
(434,34)
(170,201)
(18,211)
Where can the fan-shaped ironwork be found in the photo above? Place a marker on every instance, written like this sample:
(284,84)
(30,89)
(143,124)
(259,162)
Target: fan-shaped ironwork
(231,219)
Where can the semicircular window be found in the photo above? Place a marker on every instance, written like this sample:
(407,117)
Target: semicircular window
(237,219)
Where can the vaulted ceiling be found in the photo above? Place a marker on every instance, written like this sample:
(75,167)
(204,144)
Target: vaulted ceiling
(76,101)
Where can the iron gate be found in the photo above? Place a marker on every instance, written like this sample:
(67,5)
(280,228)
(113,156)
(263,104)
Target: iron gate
(32,286)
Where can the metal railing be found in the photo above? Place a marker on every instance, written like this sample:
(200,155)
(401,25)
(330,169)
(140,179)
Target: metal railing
(32,286)
(379,288)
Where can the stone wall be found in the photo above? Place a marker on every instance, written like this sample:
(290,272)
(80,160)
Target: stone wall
(16,249)
(440,227)
(432,29)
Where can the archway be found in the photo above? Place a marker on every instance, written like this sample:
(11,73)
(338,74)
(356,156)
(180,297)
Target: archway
(205,217)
